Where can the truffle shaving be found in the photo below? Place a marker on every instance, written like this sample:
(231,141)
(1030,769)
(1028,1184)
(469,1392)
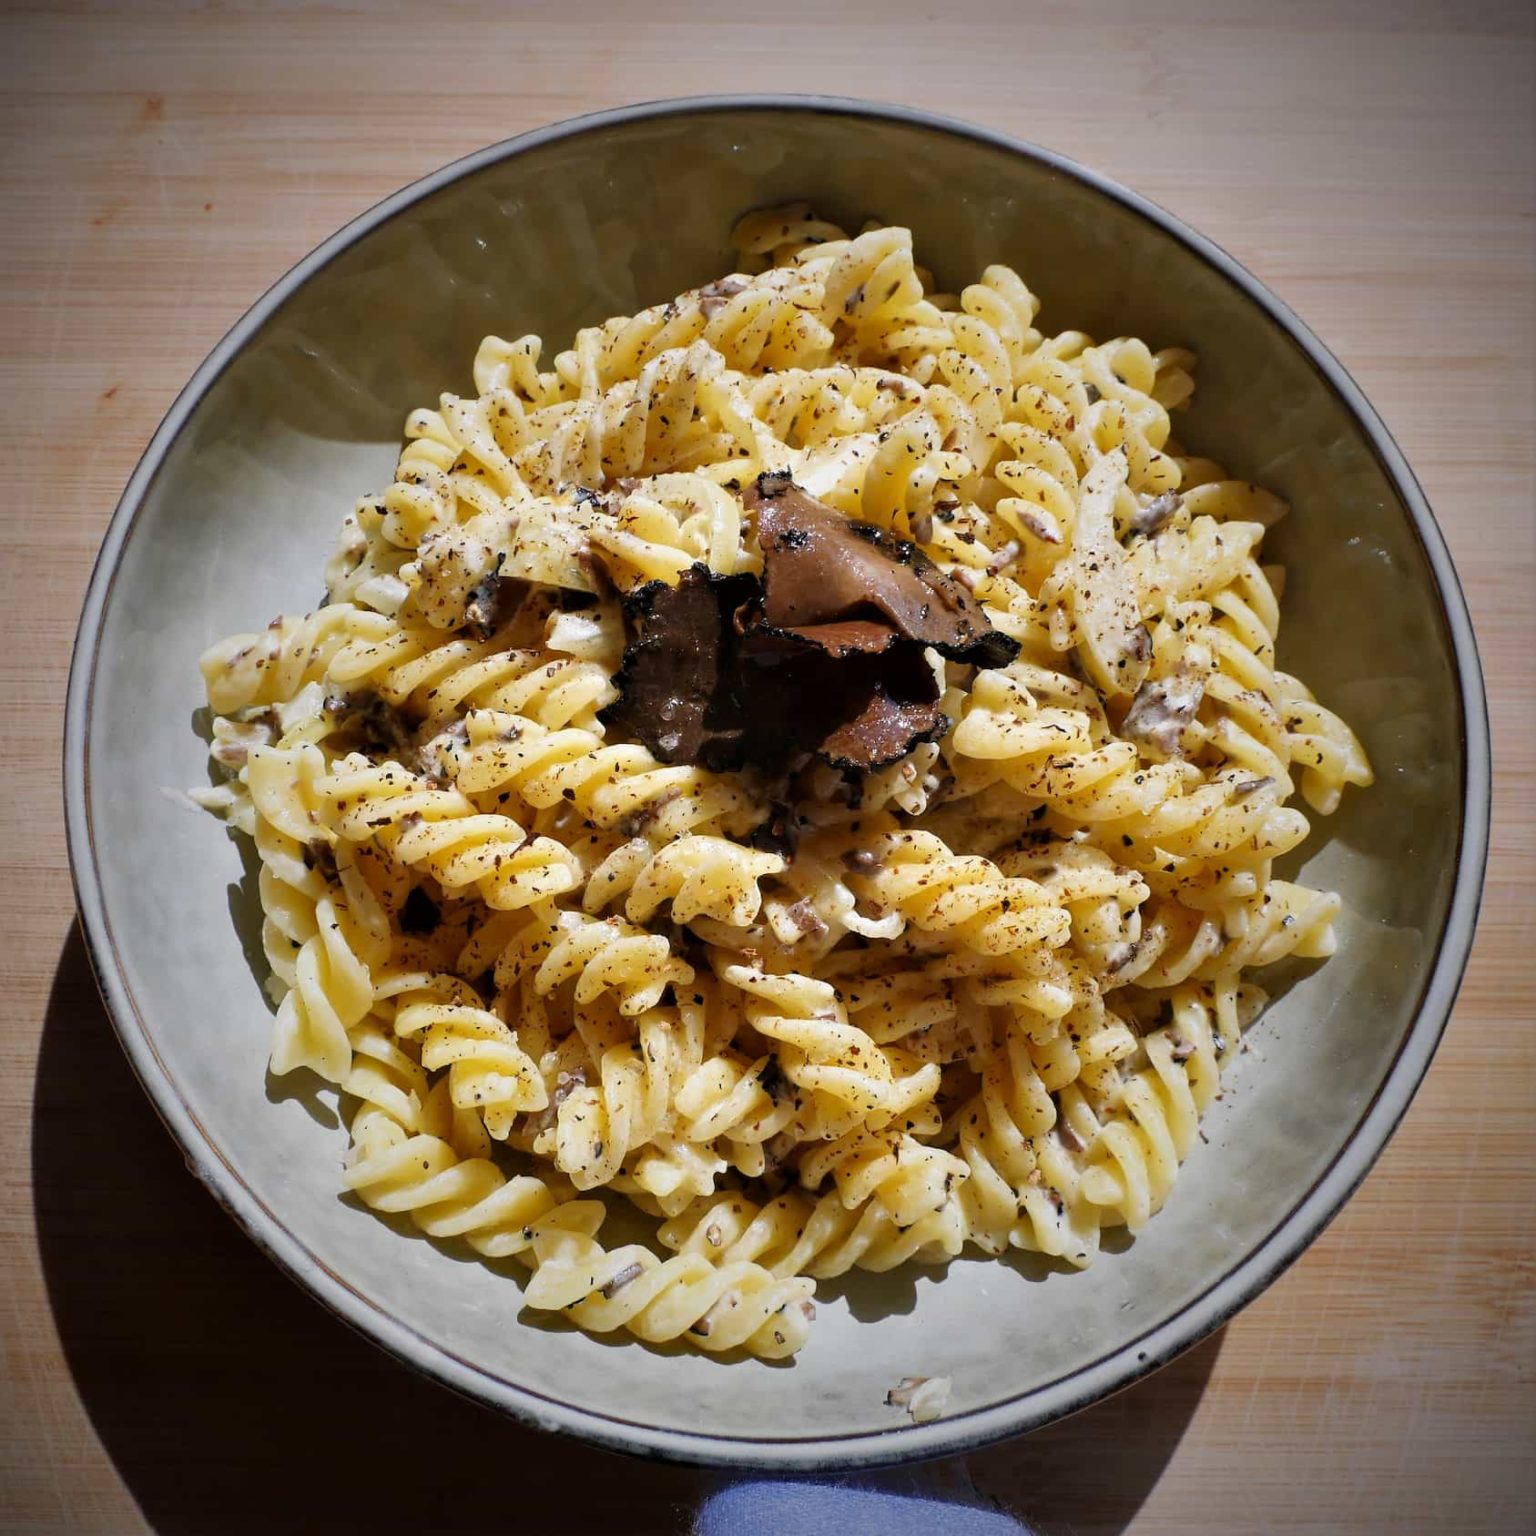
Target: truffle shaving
(677,693)
(822,570)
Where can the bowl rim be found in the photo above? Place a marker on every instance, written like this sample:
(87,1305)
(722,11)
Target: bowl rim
(1028,1410)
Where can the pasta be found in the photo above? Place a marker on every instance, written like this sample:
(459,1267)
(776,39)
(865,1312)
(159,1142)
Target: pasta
(809,762)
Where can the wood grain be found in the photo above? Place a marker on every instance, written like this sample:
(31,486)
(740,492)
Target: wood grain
(163,163)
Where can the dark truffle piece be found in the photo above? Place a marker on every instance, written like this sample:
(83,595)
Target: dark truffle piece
(419,913)
(820,569)
(855,709)
(674,685)
(885,729)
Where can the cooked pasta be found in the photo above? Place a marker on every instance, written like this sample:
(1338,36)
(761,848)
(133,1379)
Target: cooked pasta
(809,762)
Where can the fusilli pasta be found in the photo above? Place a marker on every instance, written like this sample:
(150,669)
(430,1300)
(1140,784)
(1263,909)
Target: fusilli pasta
(554,936)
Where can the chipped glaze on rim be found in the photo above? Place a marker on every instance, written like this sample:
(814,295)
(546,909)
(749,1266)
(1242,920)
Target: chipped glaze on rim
(966,1431)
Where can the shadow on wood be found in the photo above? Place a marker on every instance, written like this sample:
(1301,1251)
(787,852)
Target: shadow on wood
(230,1401)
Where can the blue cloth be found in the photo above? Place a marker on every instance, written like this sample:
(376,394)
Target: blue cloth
(771,1507)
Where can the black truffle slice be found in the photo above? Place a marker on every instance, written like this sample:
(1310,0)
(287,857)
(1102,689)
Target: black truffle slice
(856,709)
(895,716)
(820,569)
(674,684)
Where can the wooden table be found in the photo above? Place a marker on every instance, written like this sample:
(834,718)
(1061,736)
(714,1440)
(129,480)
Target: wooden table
(164,163)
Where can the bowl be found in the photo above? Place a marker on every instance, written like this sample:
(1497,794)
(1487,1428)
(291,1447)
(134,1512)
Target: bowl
(228,519)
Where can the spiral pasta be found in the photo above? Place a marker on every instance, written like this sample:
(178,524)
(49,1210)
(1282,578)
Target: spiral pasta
(487,1070)
(798,1234)
(561,926)
(598,956)
(718,1307)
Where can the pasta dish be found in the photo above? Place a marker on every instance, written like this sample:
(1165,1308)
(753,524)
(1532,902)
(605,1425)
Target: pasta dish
(810,762)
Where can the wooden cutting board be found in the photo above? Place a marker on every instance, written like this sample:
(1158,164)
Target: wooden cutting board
(163,163)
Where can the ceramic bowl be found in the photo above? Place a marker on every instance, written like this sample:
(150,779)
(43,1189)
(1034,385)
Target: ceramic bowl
(298,411)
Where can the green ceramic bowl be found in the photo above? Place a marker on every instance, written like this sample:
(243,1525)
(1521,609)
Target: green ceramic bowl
(298,411)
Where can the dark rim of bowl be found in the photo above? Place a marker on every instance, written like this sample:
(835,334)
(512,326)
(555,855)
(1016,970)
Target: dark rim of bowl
(964,1431)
